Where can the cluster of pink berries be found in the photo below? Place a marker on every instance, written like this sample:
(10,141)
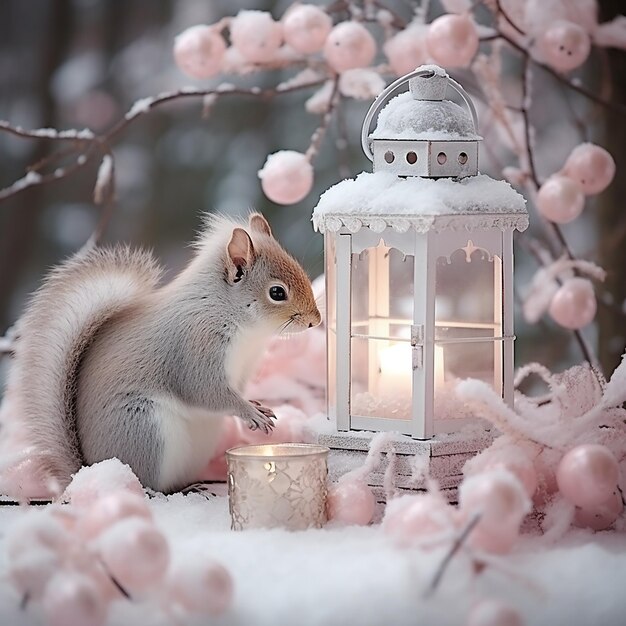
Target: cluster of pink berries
(73,561)
(256,39)
(499,486)
(588,170)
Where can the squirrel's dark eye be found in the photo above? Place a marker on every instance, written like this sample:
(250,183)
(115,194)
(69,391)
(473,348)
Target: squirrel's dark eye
(278,293)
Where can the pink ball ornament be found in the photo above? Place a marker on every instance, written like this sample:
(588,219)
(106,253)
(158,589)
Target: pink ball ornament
(136,553)
(591,166)
(256,36)
(574,305)
(502,502)
(413,518)
(602,516)
(286,177)
(494,541)
(39,530)
(351,502)
(201,586)
(199,51)
(560,199)
(348,46)
(493,613)
(110,510)
(587,475)
(31,571)
(406,50)
(305,28)
(73,600)
(452,40)
(564,45)
(516,462)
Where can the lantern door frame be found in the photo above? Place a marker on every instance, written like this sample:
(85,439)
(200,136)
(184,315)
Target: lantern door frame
(425,247)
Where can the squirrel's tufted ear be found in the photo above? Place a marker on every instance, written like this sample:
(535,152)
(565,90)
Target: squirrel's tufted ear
(259,223)
(240,254)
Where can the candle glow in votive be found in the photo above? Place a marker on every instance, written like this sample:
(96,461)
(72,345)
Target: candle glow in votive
(278,485)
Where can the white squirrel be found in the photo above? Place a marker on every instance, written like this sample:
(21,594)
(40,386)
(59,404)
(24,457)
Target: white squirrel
(110,364)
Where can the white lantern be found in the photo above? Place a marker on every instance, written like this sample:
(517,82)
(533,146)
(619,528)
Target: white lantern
(419,267)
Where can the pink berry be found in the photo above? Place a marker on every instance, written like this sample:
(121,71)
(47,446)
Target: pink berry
(452,40)
(493,613)
(602,516)
(351,502)
(522,470)
(201,586)
(412,518)
(348,46)
(560,199)
(492,540)
(31,570)
(498,496)
(256,36)
(587,475)
(286,177)
(73,600)
(36,531)
(305,28)
(564,45)
(591,166)
(406,50)
(136,553)
(110,510)
(574,305)
(198,51)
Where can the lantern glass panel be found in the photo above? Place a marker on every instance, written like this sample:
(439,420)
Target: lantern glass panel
(331,323)
(382,312)
(468,325)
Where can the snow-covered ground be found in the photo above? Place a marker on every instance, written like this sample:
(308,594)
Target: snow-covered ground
(356,576)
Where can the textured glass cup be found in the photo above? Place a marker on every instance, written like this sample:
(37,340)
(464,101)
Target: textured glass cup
(280,485)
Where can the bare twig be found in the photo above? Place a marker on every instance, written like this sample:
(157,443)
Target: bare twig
(508,19)
(457,544)
(321,130)
(98,144)
(609,104)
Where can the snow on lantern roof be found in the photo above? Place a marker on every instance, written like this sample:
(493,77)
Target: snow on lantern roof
(405,117)
(380,200)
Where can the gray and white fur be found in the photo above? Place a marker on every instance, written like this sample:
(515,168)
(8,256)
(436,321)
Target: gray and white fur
(110,364)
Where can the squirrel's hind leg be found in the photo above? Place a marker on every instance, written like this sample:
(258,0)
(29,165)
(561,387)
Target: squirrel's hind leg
(126,428)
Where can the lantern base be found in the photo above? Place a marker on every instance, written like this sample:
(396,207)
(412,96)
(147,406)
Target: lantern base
(441,458)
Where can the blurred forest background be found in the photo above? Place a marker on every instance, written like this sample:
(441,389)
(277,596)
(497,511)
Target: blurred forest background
(82,63)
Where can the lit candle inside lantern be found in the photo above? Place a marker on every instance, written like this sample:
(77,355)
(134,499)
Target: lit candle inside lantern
(440,368)
(396,369)
(278,485)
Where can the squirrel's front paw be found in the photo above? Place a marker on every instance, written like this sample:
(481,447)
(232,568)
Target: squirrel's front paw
(260,417)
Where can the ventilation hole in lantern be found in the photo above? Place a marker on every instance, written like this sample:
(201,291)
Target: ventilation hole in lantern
(389,156)
(411,157)
(441,158)
(462,158)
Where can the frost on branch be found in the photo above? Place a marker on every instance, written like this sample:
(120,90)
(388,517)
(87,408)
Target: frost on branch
(104,180)
(361,84)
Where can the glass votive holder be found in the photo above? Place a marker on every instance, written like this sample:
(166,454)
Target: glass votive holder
(277,485)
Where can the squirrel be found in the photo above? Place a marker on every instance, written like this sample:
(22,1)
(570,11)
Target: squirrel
(109,363)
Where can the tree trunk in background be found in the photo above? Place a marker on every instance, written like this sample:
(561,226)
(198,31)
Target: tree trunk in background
(21,214)
(612,212)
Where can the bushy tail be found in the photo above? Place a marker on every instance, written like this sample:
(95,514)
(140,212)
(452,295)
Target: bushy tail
(59,324)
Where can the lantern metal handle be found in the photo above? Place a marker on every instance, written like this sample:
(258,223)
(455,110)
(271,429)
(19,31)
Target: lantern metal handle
(382,98)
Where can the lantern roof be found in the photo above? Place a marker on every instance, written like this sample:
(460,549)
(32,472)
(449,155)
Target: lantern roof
(382,199)
(410,118)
